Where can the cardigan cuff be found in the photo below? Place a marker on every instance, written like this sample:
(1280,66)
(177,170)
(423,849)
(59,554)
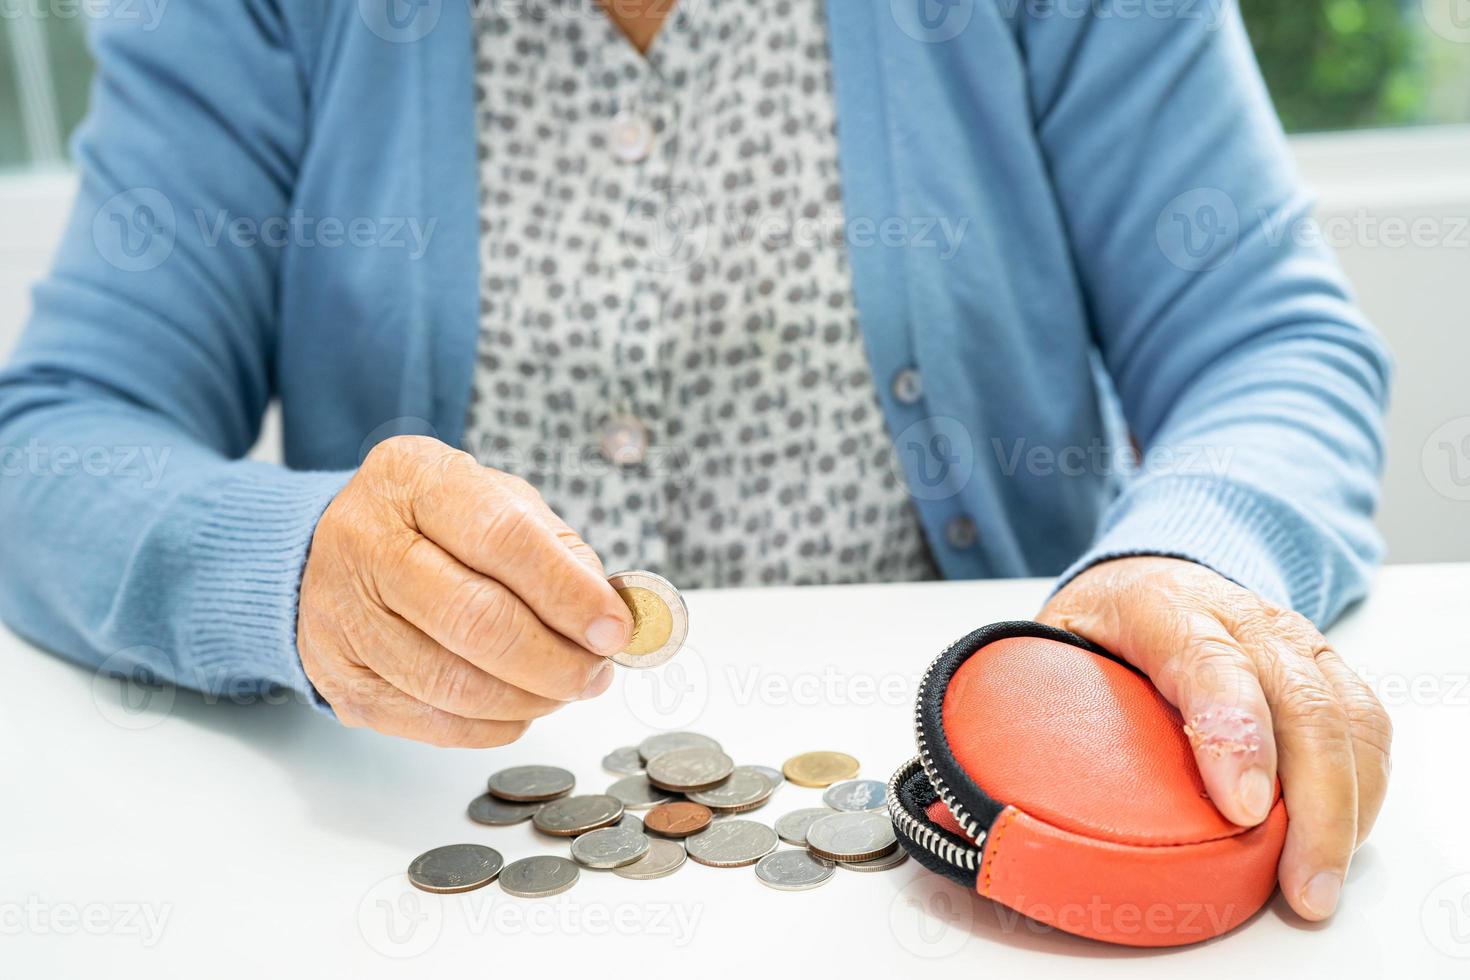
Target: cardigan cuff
(249,551)
(1255,539)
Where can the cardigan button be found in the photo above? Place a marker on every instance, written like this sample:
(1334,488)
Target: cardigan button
(908,386)
(961,533)
(631,137)
(624,440)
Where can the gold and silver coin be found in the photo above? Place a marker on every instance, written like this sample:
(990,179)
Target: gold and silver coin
(527,784)
(793,871)
(887,862)
(637,793)
(689,770)
(493,812)
(624,761)
(793,826)
(575,815)
(660,619)
(820,769)
(539,877)
(664,857)
(859,836)
(745,790)
(856,795)
(610,847)
(656,745)
(731,844)
(455,868)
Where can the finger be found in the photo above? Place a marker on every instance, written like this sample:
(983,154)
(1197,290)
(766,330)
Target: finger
(480,620)
(497,525)
(364,700)
(1319,780)
(1372,735)
(414,663)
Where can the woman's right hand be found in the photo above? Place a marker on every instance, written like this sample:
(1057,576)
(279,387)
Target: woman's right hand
(444,602)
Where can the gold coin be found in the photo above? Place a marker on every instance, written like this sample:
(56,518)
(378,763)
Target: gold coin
(652,621)
(660,619)
(820,769)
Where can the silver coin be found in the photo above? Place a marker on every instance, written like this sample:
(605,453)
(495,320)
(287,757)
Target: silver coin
(455,868)
(858,836)
(624,761)
(577,815)
(524,784)
(664,857)
(630,822)
(660,619)
(793,826)
(610,847)
(793,871)
(488,810)
(685,770)
(731,843)
(772,775)
(637,793)
(746,789)
(539,877)
(856,795)
(655,745)
(892,860)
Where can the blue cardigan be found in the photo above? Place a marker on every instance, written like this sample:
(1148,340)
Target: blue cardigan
(1051,212)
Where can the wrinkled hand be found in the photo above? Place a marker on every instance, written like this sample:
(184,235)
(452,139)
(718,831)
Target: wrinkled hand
(1261,691)
(445,602)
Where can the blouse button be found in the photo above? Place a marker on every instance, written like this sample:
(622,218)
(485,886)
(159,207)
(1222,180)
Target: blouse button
(908,386)
(961,533)
(624,440)
(631,137)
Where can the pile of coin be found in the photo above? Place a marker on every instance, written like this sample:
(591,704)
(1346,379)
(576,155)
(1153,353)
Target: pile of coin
(695,798)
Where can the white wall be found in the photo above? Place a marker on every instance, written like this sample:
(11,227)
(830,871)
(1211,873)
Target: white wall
(1379,192)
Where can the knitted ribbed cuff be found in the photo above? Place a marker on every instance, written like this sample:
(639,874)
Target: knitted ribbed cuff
(249,550)
(1253,538)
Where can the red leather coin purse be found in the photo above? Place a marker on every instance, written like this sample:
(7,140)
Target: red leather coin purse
(1054,778)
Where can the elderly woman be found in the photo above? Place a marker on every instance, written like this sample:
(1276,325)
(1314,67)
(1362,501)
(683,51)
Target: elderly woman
(746,293)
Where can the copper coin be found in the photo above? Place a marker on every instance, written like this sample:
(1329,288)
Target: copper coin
(677,819)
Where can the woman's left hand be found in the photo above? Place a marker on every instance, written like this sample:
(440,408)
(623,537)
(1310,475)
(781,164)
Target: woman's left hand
(1261,691)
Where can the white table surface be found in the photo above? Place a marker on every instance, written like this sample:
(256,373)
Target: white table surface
(179,838)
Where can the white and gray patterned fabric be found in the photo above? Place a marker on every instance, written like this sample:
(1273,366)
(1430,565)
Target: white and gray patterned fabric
(668,348)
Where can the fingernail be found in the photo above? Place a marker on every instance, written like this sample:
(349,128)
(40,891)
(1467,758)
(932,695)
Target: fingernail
(1320,895)
(601,681)
(1254,793)
(607,636)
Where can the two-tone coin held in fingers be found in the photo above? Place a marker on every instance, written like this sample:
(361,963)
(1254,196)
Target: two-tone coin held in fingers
(455,868)
(660,619)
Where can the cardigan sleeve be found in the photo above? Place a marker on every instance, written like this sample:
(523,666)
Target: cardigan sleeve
(1250,383)
(138,539)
